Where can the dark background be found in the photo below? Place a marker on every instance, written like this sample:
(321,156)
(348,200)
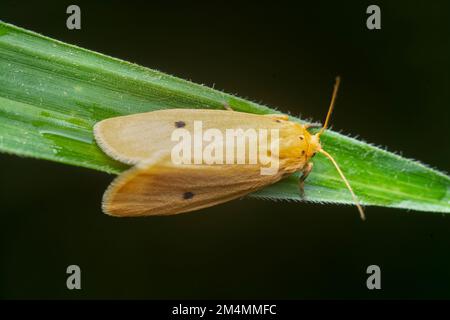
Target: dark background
(395,93)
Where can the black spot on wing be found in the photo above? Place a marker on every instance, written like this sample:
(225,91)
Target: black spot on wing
(180,124)
(188,195)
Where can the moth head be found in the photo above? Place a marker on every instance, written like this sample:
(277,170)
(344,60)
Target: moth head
(312,145)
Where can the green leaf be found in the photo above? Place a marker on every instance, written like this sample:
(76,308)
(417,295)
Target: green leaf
(52,93)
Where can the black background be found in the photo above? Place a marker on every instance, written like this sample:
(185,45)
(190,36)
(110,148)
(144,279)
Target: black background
(395,93)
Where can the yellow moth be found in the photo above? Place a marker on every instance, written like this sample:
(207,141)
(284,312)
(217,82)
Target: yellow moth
(159,185)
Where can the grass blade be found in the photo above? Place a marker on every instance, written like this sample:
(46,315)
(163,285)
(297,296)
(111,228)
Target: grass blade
(52,93)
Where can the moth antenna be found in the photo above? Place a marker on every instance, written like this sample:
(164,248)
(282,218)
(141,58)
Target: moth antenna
(358,205)
(330,109)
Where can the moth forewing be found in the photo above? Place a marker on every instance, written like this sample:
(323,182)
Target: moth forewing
(161,188)
(135,138)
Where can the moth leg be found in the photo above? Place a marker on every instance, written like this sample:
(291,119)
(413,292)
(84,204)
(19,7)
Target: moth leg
(226,106)
(301,182)
(277,116)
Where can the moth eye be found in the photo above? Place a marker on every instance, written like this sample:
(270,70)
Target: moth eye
(313,154)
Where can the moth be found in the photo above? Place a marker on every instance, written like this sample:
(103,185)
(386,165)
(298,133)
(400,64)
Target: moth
(156,185)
